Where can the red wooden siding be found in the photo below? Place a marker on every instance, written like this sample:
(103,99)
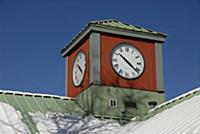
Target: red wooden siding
(147,81)
(72,90)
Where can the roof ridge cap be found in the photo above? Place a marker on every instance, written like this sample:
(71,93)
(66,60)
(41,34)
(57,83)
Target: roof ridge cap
(103,20)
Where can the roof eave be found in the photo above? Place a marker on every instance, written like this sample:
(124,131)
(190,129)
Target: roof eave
(160,37)
(106,29)
(75,40)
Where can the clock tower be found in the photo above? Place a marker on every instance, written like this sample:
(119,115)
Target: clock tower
(115,69)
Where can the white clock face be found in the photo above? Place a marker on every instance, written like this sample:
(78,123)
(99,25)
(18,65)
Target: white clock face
(127,61)
(79,68)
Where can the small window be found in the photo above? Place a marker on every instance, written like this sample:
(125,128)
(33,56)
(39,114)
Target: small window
(130,104)
(152,104)
(113,103)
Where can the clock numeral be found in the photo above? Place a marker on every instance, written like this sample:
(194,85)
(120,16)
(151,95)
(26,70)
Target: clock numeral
(132,52)
(137,70)
(76,79)
(126,74)
(115,60)
(137,57)
(120,72)
(133,73)
(127,49)
(139,63)
(116,66)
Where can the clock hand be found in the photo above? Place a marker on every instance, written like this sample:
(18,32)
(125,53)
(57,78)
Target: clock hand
(80,68)
(135,69)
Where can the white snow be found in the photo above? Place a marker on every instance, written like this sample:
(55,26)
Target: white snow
(50,123)
(176,98)
(10,120)
(183,118)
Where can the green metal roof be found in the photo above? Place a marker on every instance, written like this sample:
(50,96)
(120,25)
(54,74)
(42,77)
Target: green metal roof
(116,26)
(125,26)
(29,102)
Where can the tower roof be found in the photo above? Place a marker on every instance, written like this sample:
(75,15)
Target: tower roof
(121,25)
(114,27)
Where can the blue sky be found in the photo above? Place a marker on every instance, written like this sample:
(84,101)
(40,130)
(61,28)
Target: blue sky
(32,33)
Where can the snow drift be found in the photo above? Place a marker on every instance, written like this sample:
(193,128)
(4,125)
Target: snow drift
(10,120)
(64,124)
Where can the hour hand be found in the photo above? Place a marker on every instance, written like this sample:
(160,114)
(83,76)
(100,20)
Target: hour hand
(79,68)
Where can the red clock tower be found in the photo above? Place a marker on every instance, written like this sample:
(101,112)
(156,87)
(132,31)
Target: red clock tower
(115,66)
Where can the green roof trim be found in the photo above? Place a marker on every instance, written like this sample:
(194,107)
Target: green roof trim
(31,103)
(106,25)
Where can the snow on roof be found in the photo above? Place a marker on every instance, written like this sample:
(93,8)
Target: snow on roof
(192,92)
(34,94)
(56,123)
(181,118)
(32,102)
(11,120)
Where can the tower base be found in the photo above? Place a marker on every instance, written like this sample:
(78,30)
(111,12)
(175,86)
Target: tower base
(115,102)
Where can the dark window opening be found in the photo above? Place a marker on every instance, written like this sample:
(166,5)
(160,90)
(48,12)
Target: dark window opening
(130,104)
(152,104)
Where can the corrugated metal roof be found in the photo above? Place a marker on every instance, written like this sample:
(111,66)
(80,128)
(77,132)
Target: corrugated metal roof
(180,115)
(29,102)
(115,25)
(169,104)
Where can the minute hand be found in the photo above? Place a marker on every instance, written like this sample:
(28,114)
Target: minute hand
(129,63)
